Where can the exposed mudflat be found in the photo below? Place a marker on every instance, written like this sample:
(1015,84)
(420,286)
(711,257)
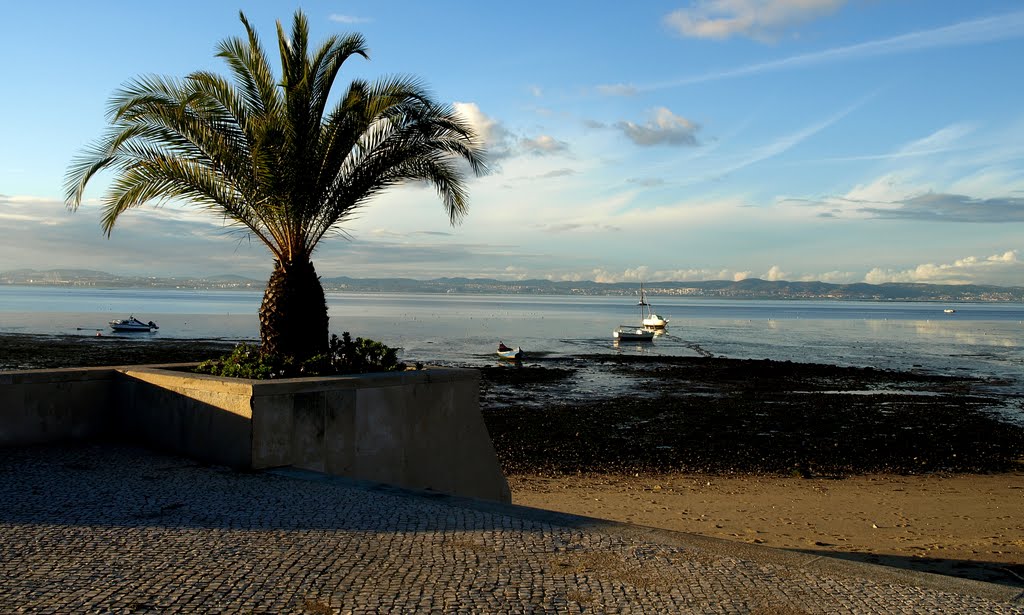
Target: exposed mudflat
(721,416)
(19,351)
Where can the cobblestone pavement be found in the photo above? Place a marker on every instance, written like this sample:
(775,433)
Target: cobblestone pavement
(110,529)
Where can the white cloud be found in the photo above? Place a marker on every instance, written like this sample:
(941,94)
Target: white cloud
(1000,27)
(646,182)
(618,89)
(895,197)
(774,273)
(41,233)
(348,19)
(758,19)
(499,142)
(885,189)
(19,200)
(990,182)
(30,209)
(629,275)
(832,277)
(565,227)
(995,269)
(999,269)
(496,138)
(516,273)
(557,173)
(781,144)
(974,180)
(941,140)
(688,213)
(664,128)
(940,207)
(543,144)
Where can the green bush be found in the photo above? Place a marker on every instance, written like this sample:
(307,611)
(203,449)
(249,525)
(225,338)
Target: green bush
(344,356)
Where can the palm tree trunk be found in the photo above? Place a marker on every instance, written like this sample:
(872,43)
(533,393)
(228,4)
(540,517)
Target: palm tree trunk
(293,315)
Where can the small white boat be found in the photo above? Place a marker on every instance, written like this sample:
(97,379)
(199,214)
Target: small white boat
(132,324)
(949,310)
(631,333)
(511,354)
(651,320)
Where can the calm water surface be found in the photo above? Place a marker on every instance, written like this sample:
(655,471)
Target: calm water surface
(984,339)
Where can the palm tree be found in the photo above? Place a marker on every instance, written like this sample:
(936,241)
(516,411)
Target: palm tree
(274,159)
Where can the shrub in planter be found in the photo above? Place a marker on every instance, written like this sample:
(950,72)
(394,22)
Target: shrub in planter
(344,356)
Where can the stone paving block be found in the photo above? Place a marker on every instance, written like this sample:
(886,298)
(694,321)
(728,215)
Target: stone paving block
(122,530)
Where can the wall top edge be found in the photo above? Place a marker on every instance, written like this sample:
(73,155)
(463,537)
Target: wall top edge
(292,385)
(259,387)
(56,375)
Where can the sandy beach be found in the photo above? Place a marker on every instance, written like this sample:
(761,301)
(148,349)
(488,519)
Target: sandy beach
(961,525)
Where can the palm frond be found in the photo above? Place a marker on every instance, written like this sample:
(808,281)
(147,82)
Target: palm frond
(266,153)
(251,70)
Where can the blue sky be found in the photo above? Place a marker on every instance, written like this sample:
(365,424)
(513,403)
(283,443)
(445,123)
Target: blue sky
(840,140)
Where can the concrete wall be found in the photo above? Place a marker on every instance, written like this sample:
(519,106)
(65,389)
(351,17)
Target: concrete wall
(418,429)
(55,405)
(206,418)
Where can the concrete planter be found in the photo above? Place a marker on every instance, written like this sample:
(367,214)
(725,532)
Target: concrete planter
(416,429)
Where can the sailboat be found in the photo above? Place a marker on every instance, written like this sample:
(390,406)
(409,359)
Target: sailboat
(634,333)
(651,320)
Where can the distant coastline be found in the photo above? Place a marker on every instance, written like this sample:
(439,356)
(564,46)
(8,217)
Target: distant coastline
(750,288)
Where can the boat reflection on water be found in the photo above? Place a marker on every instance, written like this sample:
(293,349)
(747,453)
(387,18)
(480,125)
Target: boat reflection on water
(633,347)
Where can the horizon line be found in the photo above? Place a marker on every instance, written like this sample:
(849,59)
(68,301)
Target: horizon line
(212,277)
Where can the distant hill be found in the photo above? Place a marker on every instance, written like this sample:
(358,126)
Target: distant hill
(751,288)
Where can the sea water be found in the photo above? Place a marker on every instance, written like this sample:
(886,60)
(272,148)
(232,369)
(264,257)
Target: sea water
(978,339)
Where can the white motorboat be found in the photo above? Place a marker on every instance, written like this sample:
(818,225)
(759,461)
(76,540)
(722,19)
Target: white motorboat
(653,321)
(632,333)
(132,324)
(509,353)
(949,310)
